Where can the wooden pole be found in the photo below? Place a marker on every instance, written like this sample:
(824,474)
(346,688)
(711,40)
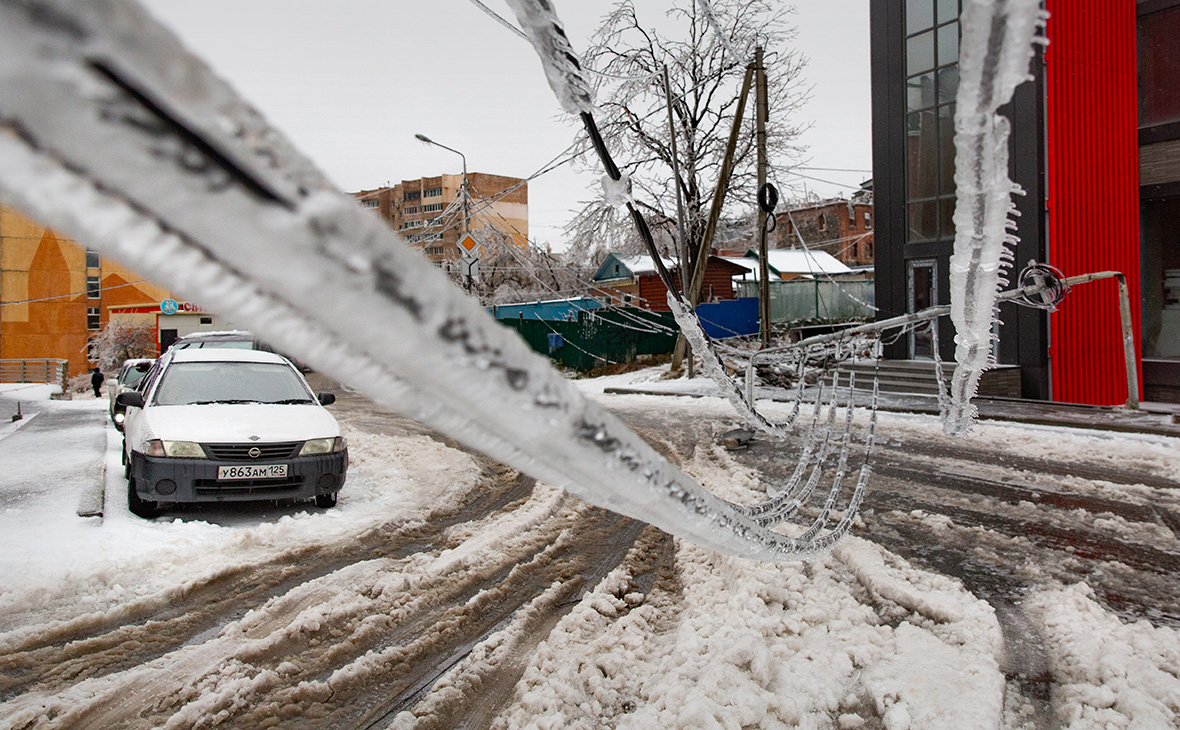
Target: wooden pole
(702,254)
(763,267)
(682,253)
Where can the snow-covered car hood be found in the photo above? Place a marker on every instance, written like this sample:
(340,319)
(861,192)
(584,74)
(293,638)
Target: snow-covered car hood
(230,423)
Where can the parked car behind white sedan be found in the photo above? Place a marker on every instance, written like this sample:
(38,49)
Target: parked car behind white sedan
(127,379)
(211,425)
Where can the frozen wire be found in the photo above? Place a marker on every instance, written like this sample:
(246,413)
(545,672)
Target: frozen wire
(823,273)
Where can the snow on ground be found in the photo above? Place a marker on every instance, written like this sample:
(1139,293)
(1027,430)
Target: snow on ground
(764,645)
(1112,675)
(28,391)
(78,569)
(1159,455)
(858,638)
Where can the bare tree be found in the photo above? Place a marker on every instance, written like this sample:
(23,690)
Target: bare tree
(510,272)
(119,341)
(705,76)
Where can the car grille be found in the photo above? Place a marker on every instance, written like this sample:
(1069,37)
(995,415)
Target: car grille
(211,487)
(241,452)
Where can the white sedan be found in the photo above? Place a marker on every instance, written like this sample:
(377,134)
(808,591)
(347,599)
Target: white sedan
(212,425)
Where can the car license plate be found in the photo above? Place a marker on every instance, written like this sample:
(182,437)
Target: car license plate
(252,471)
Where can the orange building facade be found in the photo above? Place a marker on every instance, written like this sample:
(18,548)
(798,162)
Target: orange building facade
(54,293)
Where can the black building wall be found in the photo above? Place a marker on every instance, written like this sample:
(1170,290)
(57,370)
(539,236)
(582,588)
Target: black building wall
(1024,332)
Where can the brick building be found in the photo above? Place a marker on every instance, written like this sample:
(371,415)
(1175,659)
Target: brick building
(429,211)
(842,227)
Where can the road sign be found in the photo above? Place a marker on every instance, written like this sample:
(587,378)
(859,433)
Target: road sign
(469,266)
(467,243)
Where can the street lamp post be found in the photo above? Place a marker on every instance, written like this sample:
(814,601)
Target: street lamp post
(463,191)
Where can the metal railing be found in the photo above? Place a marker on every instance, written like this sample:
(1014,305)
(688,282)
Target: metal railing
(52,371)
(1018,294)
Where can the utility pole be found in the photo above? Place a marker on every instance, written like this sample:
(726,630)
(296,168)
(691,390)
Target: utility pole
(702,253)
(682,254)
(763,267)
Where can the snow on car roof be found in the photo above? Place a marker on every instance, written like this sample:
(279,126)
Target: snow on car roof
(219,334)
(220,354)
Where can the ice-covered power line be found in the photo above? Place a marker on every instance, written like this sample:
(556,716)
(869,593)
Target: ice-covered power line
(74,294)
(711,18)
(994,57)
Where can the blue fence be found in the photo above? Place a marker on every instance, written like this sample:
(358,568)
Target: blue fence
(729,318)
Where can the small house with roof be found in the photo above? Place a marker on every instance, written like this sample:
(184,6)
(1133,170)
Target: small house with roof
(634,280)
(789,264)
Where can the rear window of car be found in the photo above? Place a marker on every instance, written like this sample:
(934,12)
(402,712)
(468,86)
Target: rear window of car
(188,383)
(226,344)
(131,377)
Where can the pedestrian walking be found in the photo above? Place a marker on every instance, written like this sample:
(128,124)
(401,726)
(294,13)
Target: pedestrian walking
(96,378)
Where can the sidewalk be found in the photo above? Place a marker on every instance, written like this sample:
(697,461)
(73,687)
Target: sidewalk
(1104,418)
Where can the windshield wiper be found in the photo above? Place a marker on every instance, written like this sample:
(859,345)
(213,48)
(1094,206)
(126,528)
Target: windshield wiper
(290,401)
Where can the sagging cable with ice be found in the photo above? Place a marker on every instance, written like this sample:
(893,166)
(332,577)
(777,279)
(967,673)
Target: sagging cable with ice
(113,133)
(564,72)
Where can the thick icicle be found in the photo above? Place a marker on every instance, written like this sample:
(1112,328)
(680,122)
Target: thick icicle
(994,59)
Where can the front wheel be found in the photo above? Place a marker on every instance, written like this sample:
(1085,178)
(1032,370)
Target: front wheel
(140,507)
(326,501)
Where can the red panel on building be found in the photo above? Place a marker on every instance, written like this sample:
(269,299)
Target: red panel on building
(1093,183)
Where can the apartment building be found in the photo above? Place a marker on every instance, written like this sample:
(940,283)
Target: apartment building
(433,214)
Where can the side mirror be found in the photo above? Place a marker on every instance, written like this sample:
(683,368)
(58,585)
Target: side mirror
(130,399)
(327,399)
(143,367)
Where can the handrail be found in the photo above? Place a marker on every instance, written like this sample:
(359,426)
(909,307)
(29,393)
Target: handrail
(49,370)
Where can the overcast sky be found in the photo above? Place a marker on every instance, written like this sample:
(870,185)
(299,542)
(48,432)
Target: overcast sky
(352,81)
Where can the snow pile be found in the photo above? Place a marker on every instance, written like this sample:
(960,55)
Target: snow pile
(28,391)
(768,645)
(123,566)
(1108,674)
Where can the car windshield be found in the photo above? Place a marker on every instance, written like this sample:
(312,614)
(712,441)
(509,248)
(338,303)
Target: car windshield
(188,383)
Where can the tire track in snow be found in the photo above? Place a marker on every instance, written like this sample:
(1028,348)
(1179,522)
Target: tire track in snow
(74,651)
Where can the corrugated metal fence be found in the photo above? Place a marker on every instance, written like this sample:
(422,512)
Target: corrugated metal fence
(602,337)
(814,299)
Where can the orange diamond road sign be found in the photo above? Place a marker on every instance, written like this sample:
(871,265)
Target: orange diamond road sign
(467,243)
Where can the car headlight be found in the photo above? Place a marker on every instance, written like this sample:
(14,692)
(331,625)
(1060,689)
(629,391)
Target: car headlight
(175,449)
(322,446)
(120,417)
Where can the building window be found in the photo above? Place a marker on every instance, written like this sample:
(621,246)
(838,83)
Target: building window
(822,222)
(868,221)
(432,193)
(1159,67)
(432,207)
(93,260)
(932,67)
(206,320)
(93,287)
(371,203)
(412,210)
(412,224)
(413,195)
(93,318)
